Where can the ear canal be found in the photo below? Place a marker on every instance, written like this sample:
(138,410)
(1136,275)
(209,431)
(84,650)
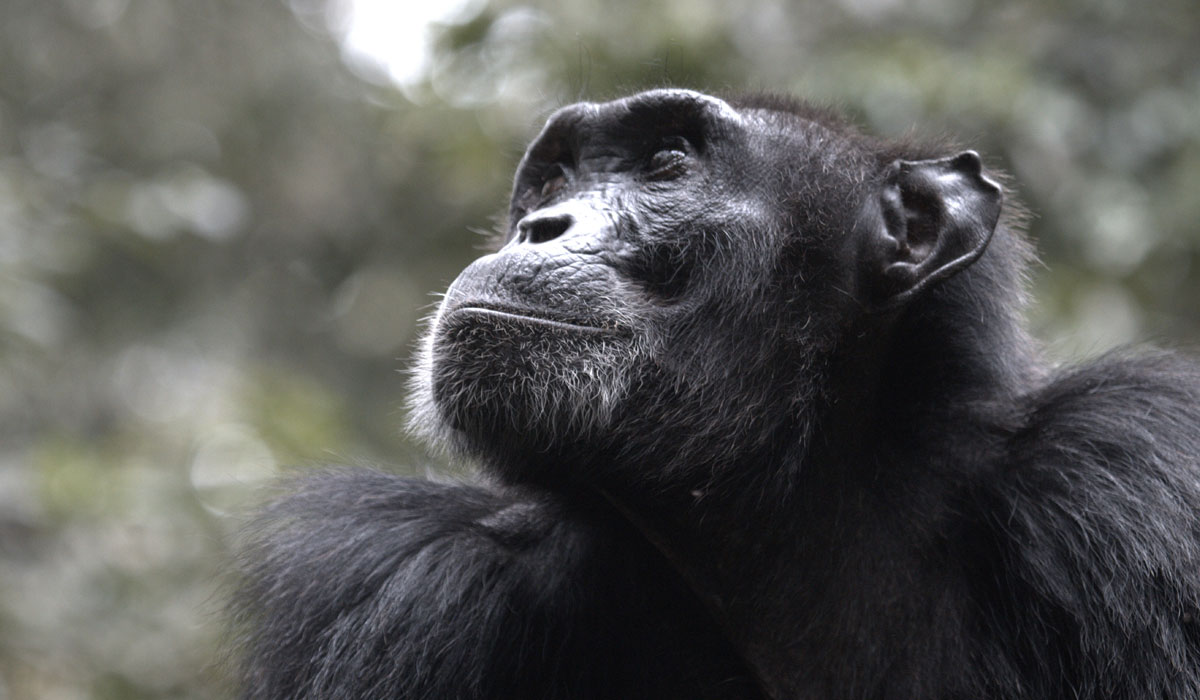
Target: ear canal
(937,217)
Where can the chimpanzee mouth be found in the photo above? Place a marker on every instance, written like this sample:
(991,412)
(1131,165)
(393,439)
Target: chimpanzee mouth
(522,316)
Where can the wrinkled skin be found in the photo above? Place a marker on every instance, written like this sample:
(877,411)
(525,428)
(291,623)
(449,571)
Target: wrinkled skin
(648,246)
(756,417)
(614,229)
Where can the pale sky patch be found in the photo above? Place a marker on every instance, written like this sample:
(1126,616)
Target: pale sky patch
(392,37)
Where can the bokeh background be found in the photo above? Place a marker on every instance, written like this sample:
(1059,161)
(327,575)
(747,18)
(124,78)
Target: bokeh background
(221,221)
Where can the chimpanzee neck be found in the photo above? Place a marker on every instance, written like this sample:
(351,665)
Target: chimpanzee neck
(823,562)
(823,589)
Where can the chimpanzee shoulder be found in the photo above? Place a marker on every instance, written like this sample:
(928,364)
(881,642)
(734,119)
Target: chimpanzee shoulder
(1089,565)
(361,584)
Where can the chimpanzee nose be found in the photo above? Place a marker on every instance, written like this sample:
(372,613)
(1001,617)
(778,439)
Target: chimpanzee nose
(543,226)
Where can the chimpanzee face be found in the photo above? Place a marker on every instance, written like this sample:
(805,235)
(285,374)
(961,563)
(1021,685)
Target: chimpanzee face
(671,260)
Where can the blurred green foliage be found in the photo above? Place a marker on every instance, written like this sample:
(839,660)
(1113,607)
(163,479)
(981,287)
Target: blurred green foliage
(217,239)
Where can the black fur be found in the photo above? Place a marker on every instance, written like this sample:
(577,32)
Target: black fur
(369,586)
(759,419)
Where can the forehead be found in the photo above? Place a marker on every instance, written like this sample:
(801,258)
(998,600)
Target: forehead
(701,118)
(641,116)
(654,105)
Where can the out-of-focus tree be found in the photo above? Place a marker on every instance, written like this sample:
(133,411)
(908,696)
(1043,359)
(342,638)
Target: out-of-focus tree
(214,245)
(217,237)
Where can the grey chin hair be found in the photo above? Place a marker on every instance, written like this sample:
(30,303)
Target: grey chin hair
(568,399)
(425,422)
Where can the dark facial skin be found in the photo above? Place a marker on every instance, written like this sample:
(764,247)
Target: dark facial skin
(619,213)
(653,241)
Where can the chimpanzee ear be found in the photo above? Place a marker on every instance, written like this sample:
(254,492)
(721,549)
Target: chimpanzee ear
(937,217)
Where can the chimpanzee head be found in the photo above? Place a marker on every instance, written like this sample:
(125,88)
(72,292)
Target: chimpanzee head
(681,279)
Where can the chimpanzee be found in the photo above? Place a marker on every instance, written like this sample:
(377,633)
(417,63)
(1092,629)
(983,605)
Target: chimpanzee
(756,416)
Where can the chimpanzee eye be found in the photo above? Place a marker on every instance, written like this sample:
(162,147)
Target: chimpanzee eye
(669,160)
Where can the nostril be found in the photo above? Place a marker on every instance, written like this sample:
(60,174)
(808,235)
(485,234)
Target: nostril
(541,228)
